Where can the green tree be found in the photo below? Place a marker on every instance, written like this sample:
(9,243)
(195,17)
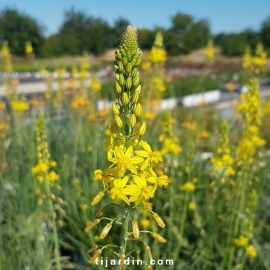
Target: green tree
(181,22)
(235,44)
(265,34)
(196,36)
(187,34)
(90,33)
(18,28)
(252,38)
(146,38)
(59,45)
(171,42)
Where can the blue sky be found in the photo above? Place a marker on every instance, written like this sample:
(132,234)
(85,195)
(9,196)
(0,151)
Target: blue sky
(223,15)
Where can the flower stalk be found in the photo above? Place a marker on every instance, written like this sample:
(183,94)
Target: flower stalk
(130,180)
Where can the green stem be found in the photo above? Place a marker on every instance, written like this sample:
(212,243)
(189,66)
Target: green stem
(182,225)
(127,125)
(122,249)
(233,231)
(77,140)
(55,236)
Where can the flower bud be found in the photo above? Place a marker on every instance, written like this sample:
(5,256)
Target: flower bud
(101,211)
(138,255)
(136,81)
(122,52)
(115,109)
(142,129)
(117,88)
(149,253)
(125,61)
(138,89)
(138,109)
(58,187)
(118,55)
(122,260)
(135,97)
(134,72)
(132,120)
(97,198)
(110,239)
(121,79)
(129,68)
(120,66)
(118,121)
(125,98)
(138,62)
(158,237)
(92,249)
(92,225)
(133,62)
(128,82)
(113,130)
(158,219)
(105,230)
(98,252)
(135,228)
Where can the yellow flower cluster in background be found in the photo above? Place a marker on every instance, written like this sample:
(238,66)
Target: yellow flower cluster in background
(188,186)
(249,108)
(255,64)
(209,52)
(222,160)
(43,170)
(28,48)
(95,84)
(6,55)
(170,142)
(159,84)
(157,54)
(19,105)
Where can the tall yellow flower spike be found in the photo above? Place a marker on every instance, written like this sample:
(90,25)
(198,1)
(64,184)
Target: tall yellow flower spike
(249,109)
(28,48)
(209,52)
(222,161)
(254,65)
(247,60)
(130,180)
(47,177)
(170,143)
(6,55)
(157,53)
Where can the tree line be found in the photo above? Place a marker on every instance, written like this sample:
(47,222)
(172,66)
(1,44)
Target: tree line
(80,33)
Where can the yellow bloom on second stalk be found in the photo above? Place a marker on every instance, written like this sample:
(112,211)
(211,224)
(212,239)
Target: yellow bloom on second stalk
(169,141)
(209,52)
(28,48)
(19,106)
(249,108)
(222,161)
(255,64)
(43,170)
(157,53)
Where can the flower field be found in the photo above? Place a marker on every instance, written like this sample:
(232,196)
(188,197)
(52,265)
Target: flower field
(180,189)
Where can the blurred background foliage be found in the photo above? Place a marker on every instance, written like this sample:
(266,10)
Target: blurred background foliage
(184,35)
